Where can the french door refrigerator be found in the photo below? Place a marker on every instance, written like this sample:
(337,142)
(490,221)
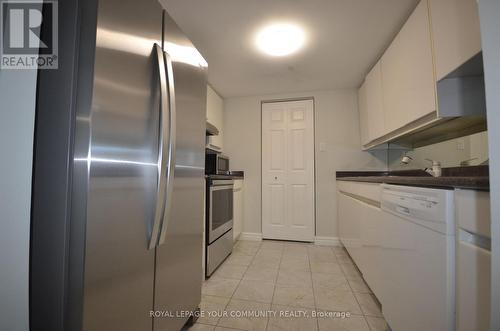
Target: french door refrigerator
(117,209)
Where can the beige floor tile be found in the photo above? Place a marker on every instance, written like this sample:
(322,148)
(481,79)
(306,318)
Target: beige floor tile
(254,291)
(376,323)
(243,322)
(272,245)
(319,249)
(248,243)
(266,261)
(326,267)
(295,257)
(220,287)
(246,250)
(225,329)
(369,304)
(239,259)
(330,281)
(295,264)
(350,270)
(344,258)
(298,278)
(295,251)
(352,323)
(210,307)
(321,254)
(201,327)
(296,247)
(358,285)
(299,243)
(294,296)
(247,247)
(341,252)
(291,319)
(336,300)
(261,274)
(264,253)
(326,256)
(229,271)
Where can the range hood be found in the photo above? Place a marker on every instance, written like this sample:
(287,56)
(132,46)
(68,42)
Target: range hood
(212,129)
(462,110)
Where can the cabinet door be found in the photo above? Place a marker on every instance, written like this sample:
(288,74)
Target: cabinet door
(237,209)
(215,115)
(349,226)
(392,81)
(456,33)
(473,286)
(408,72)
(363,115)
(419,88)
(374,104)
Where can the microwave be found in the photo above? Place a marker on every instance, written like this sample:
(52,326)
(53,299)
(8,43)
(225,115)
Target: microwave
(216,164)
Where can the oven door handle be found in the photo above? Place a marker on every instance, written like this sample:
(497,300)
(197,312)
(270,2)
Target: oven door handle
(220,188)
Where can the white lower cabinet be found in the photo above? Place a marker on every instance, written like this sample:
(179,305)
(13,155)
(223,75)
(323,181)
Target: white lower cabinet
(359,217)
(237,208)
(409,266)
(473,260)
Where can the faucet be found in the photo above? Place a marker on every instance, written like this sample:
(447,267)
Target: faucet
(435,171)
(405,160)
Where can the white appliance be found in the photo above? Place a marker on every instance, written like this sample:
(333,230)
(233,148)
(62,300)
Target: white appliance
(418,254)
(473,260)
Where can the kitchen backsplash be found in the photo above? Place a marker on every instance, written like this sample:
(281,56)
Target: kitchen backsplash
(468,150)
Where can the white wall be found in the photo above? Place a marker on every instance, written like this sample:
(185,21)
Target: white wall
(17,115)
(489,13)
(336,125)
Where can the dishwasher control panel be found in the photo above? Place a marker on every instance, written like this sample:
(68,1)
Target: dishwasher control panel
(429,207)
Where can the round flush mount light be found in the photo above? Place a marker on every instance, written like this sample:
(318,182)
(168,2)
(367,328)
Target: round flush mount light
(280,39)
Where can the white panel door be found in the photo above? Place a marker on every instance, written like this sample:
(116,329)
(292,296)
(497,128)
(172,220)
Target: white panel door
(288,170)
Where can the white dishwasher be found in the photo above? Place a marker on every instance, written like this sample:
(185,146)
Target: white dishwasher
(417,252)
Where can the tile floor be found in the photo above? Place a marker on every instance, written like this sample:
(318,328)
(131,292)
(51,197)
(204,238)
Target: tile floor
(288,278)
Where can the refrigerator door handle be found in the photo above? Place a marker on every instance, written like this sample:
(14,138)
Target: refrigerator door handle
(171,148)
(162,145)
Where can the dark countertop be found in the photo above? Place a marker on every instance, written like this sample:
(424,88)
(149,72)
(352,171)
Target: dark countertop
(476,177)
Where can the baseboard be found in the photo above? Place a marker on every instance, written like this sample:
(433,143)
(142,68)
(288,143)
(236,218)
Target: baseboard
(250,236)
(327,241)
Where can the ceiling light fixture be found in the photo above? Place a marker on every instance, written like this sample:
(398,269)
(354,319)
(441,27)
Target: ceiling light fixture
(280,39)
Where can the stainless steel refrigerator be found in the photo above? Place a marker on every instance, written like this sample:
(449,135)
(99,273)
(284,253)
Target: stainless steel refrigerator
(117,209)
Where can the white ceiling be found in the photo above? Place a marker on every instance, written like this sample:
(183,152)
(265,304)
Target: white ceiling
(345,38)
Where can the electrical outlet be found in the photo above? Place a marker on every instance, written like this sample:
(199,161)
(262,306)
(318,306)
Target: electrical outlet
(322,147)
(460,145)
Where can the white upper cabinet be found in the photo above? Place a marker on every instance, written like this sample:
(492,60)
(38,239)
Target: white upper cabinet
(215,115)
(371,110)
(399,95)
(363,115)
(392,76)
(456,33)
(408,74)
(374,101)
